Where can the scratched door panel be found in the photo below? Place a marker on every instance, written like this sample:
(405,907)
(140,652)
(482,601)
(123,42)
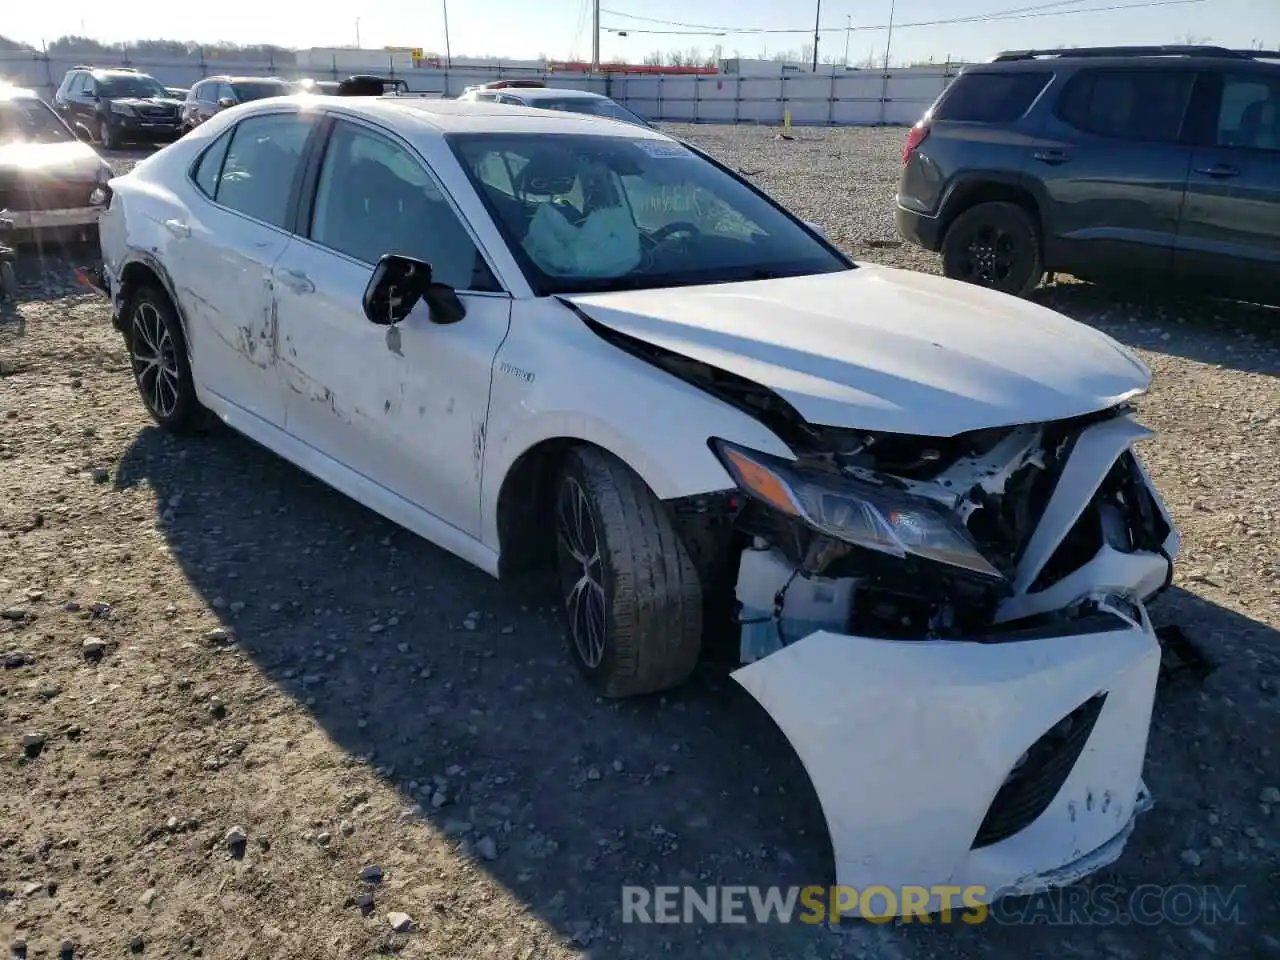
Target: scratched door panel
(405,407)
(222,275)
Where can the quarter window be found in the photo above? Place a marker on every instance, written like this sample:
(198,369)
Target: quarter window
(1250,112)
(261,162)
(374,197)
(209,167)
(1140,105)
(991,97)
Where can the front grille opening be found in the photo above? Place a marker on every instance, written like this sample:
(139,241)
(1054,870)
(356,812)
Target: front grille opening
(1038,775)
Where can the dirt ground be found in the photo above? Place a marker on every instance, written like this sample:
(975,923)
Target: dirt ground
(202,646)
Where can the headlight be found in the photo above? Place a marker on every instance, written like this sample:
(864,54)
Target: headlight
(123,109)
(879,518)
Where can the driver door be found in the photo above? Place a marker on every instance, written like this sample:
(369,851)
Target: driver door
(405,409)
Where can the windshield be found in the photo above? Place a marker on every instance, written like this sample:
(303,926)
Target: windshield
(588,105)
(259,89)
(133,85)
(590,213)
(27,120)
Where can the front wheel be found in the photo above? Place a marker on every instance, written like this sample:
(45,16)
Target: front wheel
(161,370)
(107,136)
(633,602)
(994,245)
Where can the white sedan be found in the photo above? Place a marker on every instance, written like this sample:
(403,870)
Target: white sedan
(536,337)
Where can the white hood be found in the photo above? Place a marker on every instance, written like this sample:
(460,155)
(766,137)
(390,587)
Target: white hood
(886,350)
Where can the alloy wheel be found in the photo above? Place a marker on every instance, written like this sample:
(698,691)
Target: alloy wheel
(155,360)
(581,572)
(991,255)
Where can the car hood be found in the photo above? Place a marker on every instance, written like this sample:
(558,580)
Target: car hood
(886,350)
(169,102)
(72,160)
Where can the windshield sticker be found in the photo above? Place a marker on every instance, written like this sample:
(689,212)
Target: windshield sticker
(661,150)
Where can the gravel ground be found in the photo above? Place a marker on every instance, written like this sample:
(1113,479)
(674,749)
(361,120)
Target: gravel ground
(242,717)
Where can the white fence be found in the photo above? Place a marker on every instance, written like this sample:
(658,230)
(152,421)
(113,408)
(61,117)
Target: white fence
(852,97)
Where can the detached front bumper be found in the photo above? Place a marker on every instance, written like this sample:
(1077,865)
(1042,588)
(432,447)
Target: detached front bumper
(1002,763)
(911,745)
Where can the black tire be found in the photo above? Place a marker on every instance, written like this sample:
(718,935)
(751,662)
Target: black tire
(636,627)
(995,245)
(107,136)
(158,357)
(8,282)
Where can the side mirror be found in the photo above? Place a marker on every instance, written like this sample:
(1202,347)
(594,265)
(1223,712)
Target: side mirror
(225,102)
(398,283)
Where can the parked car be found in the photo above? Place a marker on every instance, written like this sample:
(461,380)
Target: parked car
(555,98)
(178,93)
(327,88)
(1149,163)
(50,182)
(118,105)
(528,84)
(542,340)
(214,94)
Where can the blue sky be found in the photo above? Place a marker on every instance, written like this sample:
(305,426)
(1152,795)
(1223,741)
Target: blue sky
(561,28)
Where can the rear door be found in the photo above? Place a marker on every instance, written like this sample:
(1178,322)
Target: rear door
(221,253)
(1113,169)
(1229,238)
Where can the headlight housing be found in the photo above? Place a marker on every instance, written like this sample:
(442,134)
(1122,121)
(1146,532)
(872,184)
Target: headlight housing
(123,109)
(880,518)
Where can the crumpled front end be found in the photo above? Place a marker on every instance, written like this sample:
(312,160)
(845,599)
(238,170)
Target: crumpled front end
(952,634)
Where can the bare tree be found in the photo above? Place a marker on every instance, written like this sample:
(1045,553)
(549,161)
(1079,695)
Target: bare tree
(675,58)
(1193,39)
(653,59)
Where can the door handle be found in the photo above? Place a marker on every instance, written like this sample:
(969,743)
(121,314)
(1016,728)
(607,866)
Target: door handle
(177,228)
(297,281)
(1219,170)
(1051,157)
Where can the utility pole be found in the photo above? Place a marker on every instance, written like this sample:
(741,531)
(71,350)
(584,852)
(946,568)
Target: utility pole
(888,40)
(357,33)
(448,54)
(848,32)
(595,35)
(817,17)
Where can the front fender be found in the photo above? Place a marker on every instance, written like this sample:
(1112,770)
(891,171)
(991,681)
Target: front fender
(555,379)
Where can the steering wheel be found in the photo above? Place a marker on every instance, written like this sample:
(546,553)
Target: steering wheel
(666,231)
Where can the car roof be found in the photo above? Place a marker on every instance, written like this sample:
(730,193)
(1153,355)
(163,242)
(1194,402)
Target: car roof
(558,93)
(226,78)
(469,116)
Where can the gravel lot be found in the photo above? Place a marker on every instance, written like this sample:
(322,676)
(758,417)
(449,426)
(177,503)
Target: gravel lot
(201,643)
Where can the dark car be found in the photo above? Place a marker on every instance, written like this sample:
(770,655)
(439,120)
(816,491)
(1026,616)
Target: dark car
(49,180)
(118,105)
(1108,163)
(215,94)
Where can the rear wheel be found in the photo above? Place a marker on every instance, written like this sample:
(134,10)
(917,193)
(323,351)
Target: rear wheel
(161,370)
(633,602)
(994,245)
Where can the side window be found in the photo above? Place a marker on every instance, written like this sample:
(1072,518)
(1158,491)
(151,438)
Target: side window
(68,82)
(1138,105)
(374,197)
(991,97)
(262,158)
(90,86)
(79,85)
(224,90)
(1250,112)
(209,168)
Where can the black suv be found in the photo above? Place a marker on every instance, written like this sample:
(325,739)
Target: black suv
(1108,163)
(116,105)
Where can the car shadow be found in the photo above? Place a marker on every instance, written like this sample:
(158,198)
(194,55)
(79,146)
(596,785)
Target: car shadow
(1228,333)
(418,664)
(431,669)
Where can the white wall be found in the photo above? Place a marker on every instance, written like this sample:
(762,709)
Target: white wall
(854,97)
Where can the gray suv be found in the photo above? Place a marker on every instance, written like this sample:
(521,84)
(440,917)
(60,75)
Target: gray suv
(1108,163)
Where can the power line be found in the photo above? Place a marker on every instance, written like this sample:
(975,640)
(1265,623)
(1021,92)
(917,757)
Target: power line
(982,18)
(709,26)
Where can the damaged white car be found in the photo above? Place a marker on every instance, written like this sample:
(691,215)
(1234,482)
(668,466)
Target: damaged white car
(545,338)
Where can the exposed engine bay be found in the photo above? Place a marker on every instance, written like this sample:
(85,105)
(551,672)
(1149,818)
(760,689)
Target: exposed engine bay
(919,538)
